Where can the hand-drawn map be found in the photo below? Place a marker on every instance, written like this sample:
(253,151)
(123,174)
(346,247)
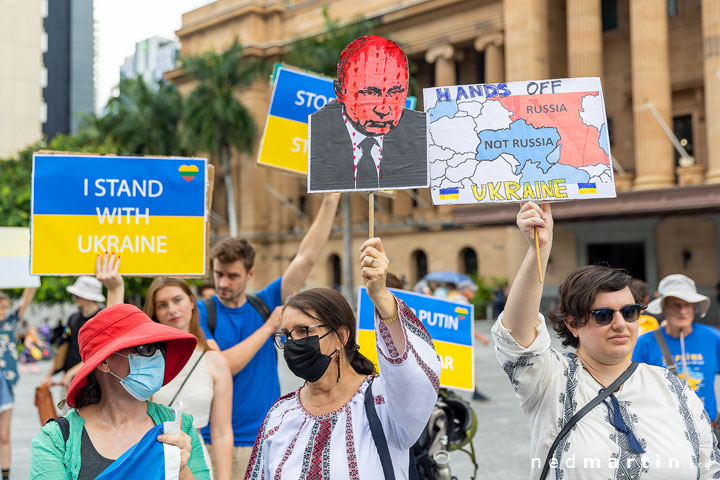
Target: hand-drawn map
(544,140)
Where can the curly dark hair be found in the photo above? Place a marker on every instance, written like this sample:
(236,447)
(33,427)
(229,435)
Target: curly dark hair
(577,293)
(233,249)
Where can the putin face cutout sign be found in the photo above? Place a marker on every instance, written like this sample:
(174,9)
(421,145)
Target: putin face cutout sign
(367,139)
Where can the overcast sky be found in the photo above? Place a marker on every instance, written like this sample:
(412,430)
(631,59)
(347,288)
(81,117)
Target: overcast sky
(121,24)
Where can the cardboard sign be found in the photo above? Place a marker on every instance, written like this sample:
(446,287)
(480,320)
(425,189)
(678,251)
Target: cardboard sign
(449,324)
(295,96)
(15,259)
(541,141)
(150,210)
(367,140)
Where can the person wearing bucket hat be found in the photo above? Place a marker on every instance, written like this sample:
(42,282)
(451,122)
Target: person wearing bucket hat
(126,358)
(693,349)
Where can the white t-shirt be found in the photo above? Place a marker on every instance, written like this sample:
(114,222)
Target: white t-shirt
(665,415)
(294,444)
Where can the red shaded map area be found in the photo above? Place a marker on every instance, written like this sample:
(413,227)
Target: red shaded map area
(579,144)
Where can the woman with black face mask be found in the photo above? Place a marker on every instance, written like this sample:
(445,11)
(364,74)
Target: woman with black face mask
(322,430)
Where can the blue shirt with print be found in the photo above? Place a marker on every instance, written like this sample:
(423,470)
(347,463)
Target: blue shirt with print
(8,350)
(702,354)
(257,386)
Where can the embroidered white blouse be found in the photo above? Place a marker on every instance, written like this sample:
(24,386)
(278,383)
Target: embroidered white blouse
(665,415)
(294,444)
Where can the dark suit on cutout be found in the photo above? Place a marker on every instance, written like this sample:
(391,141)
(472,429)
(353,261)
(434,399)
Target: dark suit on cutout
(404,152)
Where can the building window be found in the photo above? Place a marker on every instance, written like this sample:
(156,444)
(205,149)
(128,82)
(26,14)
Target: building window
(672,8)
(302,203)
(420,265)
(480,67)
(609,15)
(609,126)
(335,271)
(468,261)
(682,127)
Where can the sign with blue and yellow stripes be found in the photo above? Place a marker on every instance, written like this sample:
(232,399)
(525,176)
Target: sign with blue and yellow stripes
(295,96)
(149,210)
(449,324)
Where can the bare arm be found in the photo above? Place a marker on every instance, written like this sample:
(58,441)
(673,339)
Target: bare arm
(523,302)
(107,266)
(221,414)
(311,246)
(25,301)
(240,355)
(374,264)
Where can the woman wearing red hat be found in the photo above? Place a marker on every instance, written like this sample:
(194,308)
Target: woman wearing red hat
(204,386)
(126,359)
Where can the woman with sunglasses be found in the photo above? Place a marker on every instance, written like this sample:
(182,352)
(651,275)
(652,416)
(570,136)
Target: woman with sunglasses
(652,427)
(204,386)
(126,359)
(322,430)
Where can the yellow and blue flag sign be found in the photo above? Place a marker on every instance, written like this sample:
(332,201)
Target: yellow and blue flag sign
(449,324)
(296,95)
(586,188)
(149,210)
(15,258)
(450,193)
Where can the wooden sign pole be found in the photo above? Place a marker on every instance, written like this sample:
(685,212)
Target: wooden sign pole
(371,214)
(537,253)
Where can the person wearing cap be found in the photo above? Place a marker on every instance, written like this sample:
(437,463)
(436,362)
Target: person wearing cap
(87,295)
(694,348)
(636,421)
(126,359)
(8,368)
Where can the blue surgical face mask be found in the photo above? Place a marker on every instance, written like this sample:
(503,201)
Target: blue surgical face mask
(146,375)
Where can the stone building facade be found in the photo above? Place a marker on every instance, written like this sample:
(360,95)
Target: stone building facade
(659,61)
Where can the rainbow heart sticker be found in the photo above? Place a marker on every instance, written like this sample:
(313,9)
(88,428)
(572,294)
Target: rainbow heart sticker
(188,172)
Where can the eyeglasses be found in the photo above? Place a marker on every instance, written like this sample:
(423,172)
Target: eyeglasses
(150,349)
(604,316)
(297,333)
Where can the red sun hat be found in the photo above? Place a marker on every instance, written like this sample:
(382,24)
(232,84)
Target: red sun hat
(125,326)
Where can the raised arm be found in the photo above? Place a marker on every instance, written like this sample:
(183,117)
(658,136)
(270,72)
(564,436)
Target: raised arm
(311,246)
(26,300)
(523,302)
(221,414)
(374,263)
(107,266)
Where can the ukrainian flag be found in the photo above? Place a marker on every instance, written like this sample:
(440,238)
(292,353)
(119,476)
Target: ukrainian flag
(450,193)
(586,188)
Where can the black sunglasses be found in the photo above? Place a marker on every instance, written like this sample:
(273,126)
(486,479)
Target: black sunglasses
(604,316)
(150,349)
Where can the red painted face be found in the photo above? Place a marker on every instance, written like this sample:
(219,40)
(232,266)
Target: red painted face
(374,90)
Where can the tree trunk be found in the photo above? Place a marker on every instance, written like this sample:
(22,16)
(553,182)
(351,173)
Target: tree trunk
(229,190)
(348,254)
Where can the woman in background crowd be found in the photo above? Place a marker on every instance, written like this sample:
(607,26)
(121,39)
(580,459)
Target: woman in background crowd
(204,386)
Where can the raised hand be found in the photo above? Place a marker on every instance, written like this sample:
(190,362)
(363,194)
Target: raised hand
(531,216)
(107,266)
(374,266)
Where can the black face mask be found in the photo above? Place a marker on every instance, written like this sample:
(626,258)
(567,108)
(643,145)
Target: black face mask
(305,359)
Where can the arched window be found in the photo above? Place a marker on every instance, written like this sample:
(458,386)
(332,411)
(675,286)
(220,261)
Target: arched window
(468,261)
(419,265)
(335,270)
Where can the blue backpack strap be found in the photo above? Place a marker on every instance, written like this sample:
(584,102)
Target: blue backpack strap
(64,425)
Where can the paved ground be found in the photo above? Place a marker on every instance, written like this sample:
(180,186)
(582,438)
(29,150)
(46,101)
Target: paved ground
(501,443)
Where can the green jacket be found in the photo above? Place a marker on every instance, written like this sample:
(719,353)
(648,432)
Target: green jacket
(53,459)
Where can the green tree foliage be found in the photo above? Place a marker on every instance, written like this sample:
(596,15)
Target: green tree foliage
(320,54)
(141,119)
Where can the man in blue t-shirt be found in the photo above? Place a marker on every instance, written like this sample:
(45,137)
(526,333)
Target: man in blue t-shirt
(243,336)
(694,348)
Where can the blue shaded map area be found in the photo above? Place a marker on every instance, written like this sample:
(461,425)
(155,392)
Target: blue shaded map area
(522,141)
(531,173)
(443,109)
(603,140)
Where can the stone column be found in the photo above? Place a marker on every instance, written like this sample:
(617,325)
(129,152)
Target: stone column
(527,54)
(444,59)
(711,65)
(492,45)
(584,38)
(654,162)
